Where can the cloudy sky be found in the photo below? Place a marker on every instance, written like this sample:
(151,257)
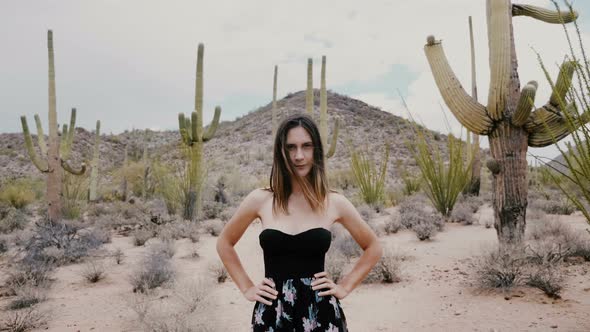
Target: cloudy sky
(131,63)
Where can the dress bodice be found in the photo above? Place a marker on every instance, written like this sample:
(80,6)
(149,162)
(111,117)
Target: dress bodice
(294,255)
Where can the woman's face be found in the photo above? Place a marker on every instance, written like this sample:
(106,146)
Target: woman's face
(300,148)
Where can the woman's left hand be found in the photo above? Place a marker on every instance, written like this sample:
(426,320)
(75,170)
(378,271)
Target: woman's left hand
(322,281)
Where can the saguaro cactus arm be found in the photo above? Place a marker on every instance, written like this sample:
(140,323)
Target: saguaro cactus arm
(563,84)
(68,168)
(68,136)
(40,135)
(41,164)
(525,103)
(213,126)
(309,91)
(550,126)
(499,27)
(543,14)
(471,114)
(334,140)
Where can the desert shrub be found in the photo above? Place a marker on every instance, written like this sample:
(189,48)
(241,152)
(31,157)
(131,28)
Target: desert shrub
(169,188)
(547,279)
(387,270)
(213,227)
(412,214)
(559,206)
(118,256)
(462,213)
(501,268)
(411,182)
(154,270)
(347,246)
(369,180)
(18,193)
(74,195)
(27,295)
(93,271)
(59,243)
(424,230)
(393,224)
(341,178)
(165,247)
(473,203)
(227,213)
(212,210)
(179,229)
(219,272)
(24,320)
(14,219)
(141,236)
(335,265)
(393,196)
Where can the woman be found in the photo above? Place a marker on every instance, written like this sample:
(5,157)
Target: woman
(297,212)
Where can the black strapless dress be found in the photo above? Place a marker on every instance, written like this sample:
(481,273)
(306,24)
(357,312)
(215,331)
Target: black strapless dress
(290,261)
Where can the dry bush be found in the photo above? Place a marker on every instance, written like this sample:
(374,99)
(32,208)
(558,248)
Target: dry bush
(227,213)
(471,202)
(559,206)
(424,230)
(219,272)
(93,271)
(501,268)
(179,229)
(547,279)
(346,245)
(27,295)
(141,236)
(335,263)
(213,227)
(387,270)
(154,270)
(211,210)
(166,247)
(393,224)
(463,214)
(13,220)
(193,293)
(553,236)
(118,255)
(24,320)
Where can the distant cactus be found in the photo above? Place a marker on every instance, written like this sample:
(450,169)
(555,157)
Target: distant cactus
(324,116)
(309,90)
(55,156)
(474,154)
(123,194)
(93,191)
(508,119)
(193,137)
(274,104)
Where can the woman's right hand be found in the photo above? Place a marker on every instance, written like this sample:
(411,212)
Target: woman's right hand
(261,292)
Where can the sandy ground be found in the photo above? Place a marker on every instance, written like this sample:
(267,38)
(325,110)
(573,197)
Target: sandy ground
(436,293)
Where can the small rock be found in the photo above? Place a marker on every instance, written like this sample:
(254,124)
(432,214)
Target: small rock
(553,326)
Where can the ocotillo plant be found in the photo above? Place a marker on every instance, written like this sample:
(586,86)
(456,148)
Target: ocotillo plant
(274,104)
(324,116)
(55,155)
(508,119)
(93,190)
(370,181)
(193,137)
(309,91)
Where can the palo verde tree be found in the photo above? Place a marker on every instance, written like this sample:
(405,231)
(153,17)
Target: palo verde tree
(193,138)
(508,118)
(57,151)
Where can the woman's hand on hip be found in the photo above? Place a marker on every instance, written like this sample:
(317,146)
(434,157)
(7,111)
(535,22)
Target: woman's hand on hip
(262,292)
(322,281)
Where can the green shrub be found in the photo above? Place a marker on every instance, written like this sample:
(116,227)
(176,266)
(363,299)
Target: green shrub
(369,180)
(18,193)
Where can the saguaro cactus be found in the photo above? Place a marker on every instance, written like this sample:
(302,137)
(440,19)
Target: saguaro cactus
(58,150)
(274,104)
(309,91)
(508,119)
(473,186)
(193,137)
(93,190)
(324,116)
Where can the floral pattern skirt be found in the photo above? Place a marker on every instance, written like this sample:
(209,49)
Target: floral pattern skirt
(299,308)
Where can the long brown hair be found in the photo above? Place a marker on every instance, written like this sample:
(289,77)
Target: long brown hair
(315,185)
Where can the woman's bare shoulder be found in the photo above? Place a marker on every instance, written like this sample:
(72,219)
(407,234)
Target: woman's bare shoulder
(258,196)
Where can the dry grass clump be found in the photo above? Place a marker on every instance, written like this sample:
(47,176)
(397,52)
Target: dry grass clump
(179,229)
(17,193)
(425,230)
(24,320)
(141,236)
(502,268)
(219,272)
(14,219)
(27,295)
(393,224)
(473,203)
(153,271)
(118,256)
(93,271)
(165,247)
(559,206)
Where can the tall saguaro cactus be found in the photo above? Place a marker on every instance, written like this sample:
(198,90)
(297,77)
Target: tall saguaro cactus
(274,104)
(193,137)
(309,91)
(324,116)
(58,149)
(474,184)
(93,190)
(508,119)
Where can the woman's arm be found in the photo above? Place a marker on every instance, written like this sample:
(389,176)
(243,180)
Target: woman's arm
(231,234)
(366,239)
